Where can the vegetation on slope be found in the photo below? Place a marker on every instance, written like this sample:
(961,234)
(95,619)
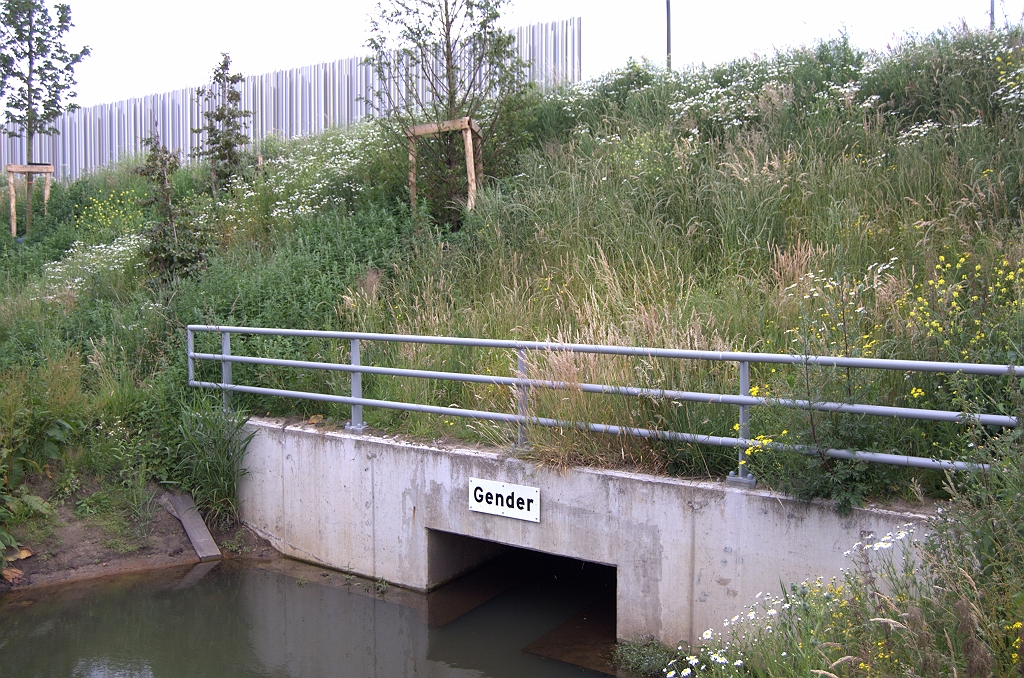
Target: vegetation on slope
(947,605)
(823,200)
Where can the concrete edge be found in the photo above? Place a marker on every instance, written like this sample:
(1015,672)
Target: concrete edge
(509,458)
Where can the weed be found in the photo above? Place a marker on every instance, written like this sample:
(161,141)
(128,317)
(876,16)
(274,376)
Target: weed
(136,492)
(113,510)
(68,483)
(99,501)
(237,543)
(36,529)
(122,535)
(642,657)
(121,544)
(948,605)
(301,581)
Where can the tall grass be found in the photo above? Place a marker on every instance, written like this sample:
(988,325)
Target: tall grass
(213,449)
(686,211)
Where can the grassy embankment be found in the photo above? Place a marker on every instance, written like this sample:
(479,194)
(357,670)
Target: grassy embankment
(820,201)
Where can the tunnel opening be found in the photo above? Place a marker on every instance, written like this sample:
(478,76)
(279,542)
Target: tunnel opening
(552,607)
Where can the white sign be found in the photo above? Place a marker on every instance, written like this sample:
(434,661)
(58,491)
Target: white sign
(504,499)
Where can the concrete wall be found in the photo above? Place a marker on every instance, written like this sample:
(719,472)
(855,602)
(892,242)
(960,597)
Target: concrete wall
(688,554)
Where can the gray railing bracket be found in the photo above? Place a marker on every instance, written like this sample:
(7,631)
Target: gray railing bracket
(748,480)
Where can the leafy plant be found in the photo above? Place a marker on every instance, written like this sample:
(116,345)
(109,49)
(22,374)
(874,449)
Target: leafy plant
(39,438)
(237,543)
(15,506)
(8,508)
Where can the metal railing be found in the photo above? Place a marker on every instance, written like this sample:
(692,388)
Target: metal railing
(522,383)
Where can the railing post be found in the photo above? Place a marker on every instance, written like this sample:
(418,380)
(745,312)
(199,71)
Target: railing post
(190,341)
(522,396)
(356,423)
(225,371)
(742,475)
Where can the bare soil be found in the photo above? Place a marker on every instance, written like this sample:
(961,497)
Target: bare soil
(68,547)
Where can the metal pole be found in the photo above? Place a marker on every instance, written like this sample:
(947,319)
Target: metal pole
(190,339)
(668,34)
(724,356)
(992,15)
(742,476)
(225,370)
(522,395)
(356,424)
(744,414)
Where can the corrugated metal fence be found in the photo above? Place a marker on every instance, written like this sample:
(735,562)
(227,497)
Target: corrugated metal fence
(289,103)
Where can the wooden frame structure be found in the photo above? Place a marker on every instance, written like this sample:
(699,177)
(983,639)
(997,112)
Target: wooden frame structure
(474,165)
(27,170)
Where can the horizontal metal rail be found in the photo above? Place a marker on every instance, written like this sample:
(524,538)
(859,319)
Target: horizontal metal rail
(717,441)
(721,356)
(636,391)
(522,383)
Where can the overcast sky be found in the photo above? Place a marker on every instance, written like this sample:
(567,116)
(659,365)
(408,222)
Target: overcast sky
(144,46)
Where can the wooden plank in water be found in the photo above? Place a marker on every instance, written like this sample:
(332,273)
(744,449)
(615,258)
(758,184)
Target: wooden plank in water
(195,574)
(586,640)
(195,528)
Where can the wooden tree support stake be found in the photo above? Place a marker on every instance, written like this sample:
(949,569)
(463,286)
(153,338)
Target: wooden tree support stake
(474,166)
(27,170)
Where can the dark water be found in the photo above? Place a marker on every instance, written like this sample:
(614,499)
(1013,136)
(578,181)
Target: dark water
(281,619)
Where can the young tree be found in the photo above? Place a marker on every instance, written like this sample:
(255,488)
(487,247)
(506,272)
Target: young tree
(36,72)
(440,60)
(174,247)
(224,126)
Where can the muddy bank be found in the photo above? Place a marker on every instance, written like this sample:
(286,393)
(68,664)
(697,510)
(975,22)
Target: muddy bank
(68,547)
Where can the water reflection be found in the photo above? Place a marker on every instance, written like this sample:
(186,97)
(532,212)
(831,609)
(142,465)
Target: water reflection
(276,619)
